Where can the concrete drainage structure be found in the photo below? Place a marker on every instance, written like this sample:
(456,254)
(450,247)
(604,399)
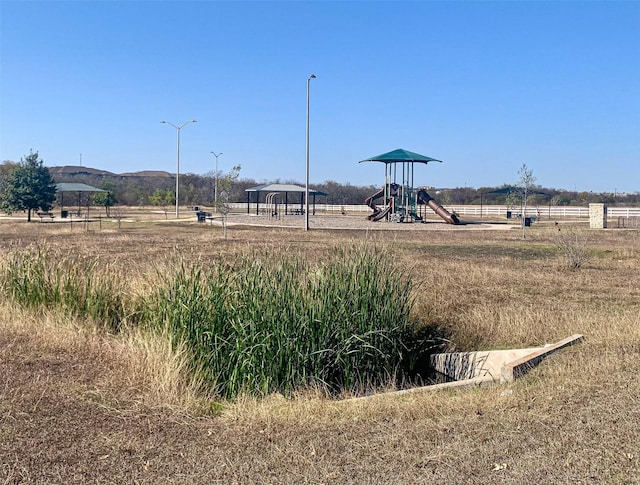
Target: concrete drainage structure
(496,365)
(486,368)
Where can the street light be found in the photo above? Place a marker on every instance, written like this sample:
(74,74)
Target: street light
(306,189)
(215,187)
(178,128)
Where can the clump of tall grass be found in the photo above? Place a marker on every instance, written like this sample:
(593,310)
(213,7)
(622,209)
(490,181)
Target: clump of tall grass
(572,246)
(258,324)
(41,277)
(276,324)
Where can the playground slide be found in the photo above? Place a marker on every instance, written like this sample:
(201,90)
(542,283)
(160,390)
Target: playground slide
(425,198)
(378,194)
(379,213)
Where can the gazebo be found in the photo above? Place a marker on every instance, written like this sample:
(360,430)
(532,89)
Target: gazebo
(77,188)
(281,189)
(519,191)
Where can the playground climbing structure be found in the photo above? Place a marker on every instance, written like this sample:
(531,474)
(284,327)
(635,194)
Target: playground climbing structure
(401,201)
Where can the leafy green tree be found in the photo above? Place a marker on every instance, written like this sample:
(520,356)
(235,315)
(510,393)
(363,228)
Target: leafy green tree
(29,187)
(106,199)
(163,198)
(511,200)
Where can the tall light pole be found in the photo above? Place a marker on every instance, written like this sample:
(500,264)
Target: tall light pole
(306,188)
(178,128)
(215,186)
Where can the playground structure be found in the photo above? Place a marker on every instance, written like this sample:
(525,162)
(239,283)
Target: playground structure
(401,201)
(271,203)
(278,199)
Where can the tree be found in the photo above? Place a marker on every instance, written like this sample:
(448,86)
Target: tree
(225,186)
(163,198)
(6,170)
(511,200)
(527,180)
(29,187)
(106,199)
(560,199)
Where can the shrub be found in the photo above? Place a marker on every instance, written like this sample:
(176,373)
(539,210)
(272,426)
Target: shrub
(572,247)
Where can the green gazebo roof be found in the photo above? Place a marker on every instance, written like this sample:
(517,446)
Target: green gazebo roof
(77,187)
(401,155)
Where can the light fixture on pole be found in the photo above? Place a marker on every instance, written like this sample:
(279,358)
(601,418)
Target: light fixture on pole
(306,187)
(178,128)
(215,186)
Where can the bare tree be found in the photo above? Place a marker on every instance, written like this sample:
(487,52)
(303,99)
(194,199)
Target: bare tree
(527,179)
(225,187)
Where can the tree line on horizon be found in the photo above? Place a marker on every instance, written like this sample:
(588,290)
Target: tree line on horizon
(198,190)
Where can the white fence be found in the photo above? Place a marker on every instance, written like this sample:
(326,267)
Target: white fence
(572,212)
(541,211)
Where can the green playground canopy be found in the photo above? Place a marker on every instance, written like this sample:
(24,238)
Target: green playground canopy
(400,155)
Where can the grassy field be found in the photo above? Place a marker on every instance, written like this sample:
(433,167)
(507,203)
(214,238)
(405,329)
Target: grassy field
(81,404)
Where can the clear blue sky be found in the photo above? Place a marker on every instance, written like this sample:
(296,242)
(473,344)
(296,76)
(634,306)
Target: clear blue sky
(483,86)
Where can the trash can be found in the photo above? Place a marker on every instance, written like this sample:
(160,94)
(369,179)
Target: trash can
(64,214)
(508,214)
(202,216)
(527,221)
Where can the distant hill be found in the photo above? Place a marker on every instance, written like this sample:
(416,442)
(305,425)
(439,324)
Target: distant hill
(75,170)
(148,173)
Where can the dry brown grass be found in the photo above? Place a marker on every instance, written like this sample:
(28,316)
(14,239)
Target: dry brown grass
(142,367)
(78,405)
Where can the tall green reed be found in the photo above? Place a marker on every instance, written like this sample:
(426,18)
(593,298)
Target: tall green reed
(258,324)
(273,323)
(41,277)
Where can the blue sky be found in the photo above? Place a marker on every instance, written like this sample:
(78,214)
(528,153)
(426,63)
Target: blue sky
(483,86)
